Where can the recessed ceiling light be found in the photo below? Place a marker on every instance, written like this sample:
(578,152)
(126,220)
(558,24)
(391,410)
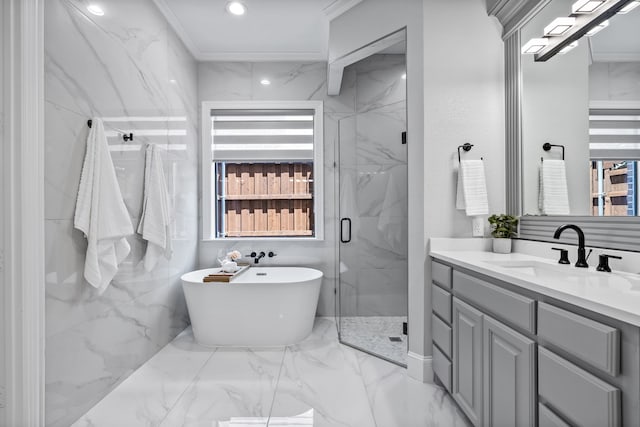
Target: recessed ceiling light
(404,76)
(629,7)
(559,26)
(236,8)
(534,45)
(265,82)
(568,47)
(586,6)
(601,26)
(95,10)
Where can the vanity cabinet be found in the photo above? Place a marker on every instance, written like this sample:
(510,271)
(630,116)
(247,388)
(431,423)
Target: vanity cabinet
(512,358)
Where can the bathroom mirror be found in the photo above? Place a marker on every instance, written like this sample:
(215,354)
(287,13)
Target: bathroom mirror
(587,100)
(557,102)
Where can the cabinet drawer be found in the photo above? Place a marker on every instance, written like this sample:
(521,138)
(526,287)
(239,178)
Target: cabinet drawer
(575,394)
(441,301)
(441,335)
(546,418)
(591,341)
(514,308)
(441,274)
(442,368)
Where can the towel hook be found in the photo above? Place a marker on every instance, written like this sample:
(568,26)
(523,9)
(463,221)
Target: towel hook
(466,147)
(547,146)
(125,137)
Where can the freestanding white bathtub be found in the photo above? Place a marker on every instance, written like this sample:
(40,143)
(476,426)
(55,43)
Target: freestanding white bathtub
(262,307)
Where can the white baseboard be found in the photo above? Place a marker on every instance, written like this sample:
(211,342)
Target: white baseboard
(420,367)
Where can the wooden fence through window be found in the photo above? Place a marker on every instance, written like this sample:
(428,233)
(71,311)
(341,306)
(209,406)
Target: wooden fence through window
(265,199)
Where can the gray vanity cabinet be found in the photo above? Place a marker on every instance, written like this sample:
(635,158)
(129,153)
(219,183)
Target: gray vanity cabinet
(508,376)
(467,360)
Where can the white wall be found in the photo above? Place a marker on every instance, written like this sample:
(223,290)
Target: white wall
(555,109)
(463,102)
(127,64)
(3,321)
(614,81)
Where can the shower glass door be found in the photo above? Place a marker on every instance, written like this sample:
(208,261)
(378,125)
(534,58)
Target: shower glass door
(372,209)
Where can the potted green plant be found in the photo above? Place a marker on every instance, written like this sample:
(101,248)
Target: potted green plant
(503,228)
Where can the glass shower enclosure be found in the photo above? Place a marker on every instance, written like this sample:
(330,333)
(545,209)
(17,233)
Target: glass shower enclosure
(372,208)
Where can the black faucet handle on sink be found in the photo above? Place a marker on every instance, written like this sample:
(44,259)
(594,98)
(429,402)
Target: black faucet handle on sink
(564,256)
(603,262)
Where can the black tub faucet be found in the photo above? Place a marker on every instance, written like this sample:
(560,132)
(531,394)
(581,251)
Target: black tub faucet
(582,261)
(257,259)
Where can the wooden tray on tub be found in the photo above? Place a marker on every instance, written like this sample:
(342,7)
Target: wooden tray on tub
(221,276)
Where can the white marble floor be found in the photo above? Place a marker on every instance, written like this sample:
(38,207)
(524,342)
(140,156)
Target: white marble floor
(372,333)
(318,382)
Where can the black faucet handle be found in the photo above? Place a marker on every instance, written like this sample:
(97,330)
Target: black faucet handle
(603,262)
(271,254)
(252,255)
(564,256)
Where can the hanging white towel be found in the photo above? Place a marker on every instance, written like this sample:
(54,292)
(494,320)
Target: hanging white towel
(393,215)
(472,188)
(553,196)
(101,213)
(155,221)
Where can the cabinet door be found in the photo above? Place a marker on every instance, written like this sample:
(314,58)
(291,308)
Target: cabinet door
(467,359)
(509,395)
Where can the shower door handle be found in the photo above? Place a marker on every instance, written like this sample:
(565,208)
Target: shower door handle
(344,221)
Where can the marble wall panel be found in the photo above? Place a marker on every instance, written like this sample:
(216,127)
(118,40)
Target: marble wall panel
(294,82)
(131,69)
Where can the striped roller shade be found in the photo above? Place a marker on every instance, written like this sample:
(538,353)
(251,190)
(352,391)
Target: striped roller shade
(614,134)
(262,135)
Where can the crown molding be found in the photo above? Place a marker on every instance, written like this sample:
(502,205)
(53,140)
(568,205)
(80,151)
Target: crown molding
(262,56)
(615,57)
(338,7)
(178,28)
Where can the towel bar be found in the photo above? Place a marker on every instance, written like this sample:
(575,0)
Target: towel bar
(125,137)
(466,147)
(547,146)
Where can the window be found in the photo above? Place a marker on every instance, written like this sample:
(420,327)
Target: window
(262,170)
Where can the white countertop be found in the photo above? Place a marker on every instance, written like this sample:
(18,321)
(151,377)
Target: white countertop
(616,295)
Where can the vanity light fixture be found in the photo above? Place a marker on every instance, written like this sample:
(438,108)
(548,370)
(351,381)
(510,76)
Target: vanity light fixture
(629,7)
(236,8)
(265,82)
(586,6)
(601,26)
(534,46)
(559,26)
(95,10)
(568,47)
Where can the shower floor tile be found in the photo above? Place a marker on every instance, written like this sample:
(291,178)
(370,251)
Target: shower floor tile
(381,335)
(318,382)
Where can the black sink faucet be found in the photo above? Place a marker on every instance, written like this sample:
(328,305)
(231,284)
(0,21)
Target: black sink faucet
(259,257)
(582,261)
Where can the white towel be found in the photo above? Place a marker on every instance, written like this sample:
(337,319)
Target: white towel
(553,196)
(472,188)
(393,215)
(155,221)
(100,212)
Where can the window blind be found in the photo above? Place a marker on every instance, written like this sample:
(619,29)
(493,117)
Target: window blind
(614,134)
(262,135)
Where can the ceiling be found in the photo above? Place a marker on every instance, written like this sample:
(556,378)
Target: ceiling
(271,30)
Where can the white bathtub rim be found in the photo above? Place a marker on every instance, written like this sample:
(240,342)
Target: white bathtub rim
(311,274)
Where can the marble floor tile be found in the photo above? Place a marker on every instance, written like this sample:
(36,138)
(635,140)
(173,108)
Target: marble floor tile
(318,382)
(145,398)
(234,383)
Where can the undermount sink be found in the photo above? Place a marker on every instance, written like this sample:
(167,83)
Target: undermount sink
(567,273)
(540,269)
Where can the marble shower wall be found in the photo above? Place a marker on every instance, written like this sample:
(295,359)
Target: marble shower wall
(240,81)
(373,193)
(129,68)
(614,81)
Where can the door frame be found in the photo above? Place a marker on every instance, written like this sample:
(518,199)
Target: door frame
(23,201)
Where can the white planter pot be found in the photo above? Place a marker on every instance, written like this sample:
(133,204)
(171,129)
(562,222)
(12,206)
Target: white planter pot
(501,246)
